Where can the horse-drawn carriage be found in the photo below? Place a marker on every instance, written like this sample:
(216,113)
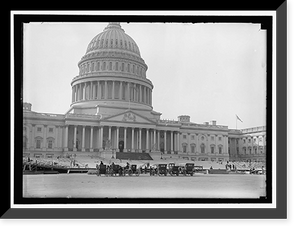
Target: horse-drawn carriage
(109,170)
(101,169)
(131,170)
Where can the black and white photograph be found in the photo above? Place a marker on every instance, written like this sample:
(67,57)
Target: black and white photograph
(139,111)
(144,110)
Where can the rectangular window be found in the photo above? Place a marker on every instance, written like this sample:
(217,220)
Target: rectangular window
(38,143)
(50,130)
(184,148)
(193,149)
(212,138)
(220,139)
(220,150)
(212,150)
(117,66)
(39,129)
(50,144)
(184,136)
(192,137)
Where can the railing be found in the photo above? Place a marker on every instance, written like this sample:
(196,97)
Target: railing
(254,129)
(90,116)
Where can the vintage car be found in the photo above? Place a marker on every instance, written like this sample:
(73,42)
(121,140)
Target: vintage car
(189,169)
(173,169)
(162,169)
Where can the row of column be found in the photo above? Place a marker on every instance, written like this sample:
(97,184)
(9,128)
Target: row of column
(154,141)
(112,90)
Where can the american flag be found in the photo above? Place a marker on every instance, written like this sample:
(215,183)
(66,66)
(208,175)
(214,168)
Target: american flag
(237,117)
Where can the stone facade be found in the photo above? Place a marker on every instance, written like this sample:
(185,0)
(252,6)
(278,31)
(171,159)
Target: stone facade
(111,110)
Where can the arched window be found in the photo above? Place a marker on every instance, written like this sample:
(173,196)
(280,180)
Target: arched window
(220,149)
(122,68)
(193,146)
(128,68)
(104,65)
(202,148)
(184,146)
(117,66)
(110,65)
(212,149)
(50,143)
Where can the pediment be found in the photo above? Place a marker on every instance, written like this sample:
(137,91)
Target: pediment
(130,117)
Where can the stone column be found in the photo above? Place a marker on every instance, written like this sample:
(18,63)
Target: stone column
(66,138)
(109,134)
(84,89)
(188,142)
(74,138)
(140,139)
(32,136)
(91,139)
(165,142)
(179,142)
(83,139)
(117,140)
(105,90)
(120,90)
(132,139)
(154,140)
(128,91)
(73,94)
(140,94)
(76,92)
(113,90)
(172,151)
(197,143)
(125,139)
(158,140)
(147,140)
(45,137)
(101,138)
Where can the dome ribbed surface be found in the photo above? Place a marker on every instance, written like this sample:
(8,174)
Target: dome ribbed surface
(113,37)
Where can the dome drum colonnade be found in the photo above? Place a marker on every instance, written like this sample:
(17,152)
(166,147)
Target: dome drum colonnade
(112,69)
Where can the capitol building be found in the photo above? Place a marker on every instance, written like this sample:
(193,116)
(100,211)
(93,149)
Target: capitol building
(111,115)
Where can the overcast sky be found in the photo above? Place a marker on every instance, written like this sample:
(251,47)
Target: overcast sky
(207,71)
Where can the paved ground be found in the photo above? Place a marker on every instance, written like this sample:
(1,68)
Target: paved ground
(199,186)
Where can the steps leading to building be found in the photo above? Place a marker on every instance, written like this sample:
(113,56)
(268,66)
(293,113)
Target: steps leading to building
(133,156)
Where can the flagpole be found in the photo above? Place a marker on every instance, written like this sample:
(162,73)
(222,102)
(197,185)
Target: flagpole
(235,122)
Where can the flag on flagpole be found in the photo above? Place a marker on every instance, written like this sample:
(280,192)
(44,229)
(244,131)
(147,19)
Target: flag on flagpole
(237,117)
